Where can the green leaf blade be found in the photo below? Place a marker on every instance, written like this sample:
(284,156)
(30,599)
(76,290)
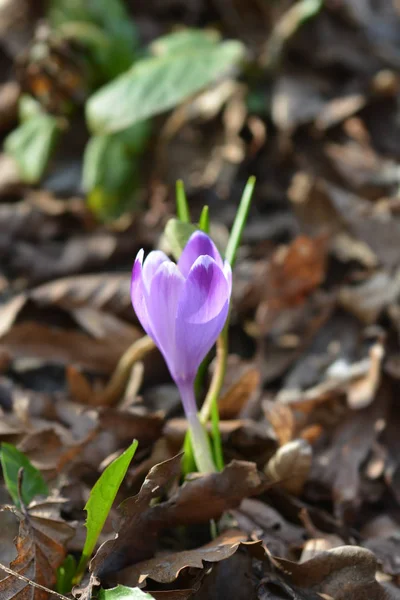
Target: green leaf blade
(182,207)
(121,592)
(204,221)
(240,221)
(155,85)
(101,499)
(33,483)
(184,40)
(65,575)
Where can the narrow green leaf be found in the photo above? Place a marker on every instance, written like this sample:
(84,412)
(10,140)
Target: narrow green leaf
(184,40)
(101,500)
(204,222)
(188,460)
(121,592)
(31,145)
(182,207)
(33,483)
(65,575)
(240,221)
(154,85)
(216,438)
(177,235)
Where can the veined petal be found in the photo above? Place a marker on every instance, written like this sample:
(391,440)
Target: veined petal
(162,304)
(202,312)
(199,244)
(138,293)
(151,264)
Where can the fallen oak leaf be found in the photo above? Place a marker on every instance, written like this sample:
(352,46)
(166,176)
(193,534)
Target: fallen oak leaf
(41,549)
(35,585)
(343,573)
(199,500)
(106,291)
(291,465)
(51,345)
(138,518)
(167,567)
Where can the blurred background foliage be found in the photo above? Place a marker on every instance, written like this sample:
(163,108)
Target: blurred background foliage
(86,58)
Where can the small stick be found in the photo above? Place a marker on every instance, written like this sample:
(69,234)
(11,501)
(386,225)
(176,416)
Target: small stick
(32,583)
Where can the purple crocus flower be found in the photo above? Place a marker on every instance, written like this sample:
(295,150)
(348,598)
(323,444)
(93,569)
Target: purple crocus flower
(183,308)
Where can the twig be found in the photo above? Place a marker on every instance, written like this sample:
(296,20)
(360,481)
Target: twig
(32,583)
(119,379)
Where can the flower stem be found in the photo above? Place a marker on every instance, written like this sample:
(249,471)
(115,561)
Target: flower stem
(200,442)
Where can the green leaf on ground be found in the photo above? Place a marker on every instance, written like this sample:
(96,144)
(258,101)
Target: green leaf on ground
(65,575)
(100,501)
(121,592)
(33,484)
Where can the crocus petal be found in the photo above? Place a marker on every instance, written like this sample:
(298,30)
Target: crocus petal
(202,312)
(138,293)
(198,244)
(162,303)
(151,264)
(228,274)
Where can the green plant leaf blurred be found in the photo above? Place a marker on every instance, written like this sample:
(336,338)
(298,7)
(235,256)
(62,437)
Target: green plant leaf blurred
(33,484)
(177,234)
(31,145)
(110,176)
(104,26)
(184,41)
(65,575)
(121,592)
(154,85)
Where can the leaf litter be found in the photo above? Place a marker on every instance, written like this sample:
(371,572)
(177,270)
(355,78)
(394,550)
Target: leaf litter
(307,506)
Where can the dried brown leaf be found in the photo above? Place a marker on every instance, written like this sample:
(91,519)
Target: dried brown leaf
(242,380)
(261,521)
(337,462)
(343,573)
(295,271)
(166,567)
(197,501)
(281,417)
(49,345)
(291,465)
(361,392)
(40,551)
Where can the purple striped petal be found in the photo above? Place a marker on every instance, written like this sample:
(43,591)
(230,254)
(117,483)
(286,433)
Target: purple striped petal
(228,274)
(138,294)
(202,312)
(151,264)
(162,304)
(199,244)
